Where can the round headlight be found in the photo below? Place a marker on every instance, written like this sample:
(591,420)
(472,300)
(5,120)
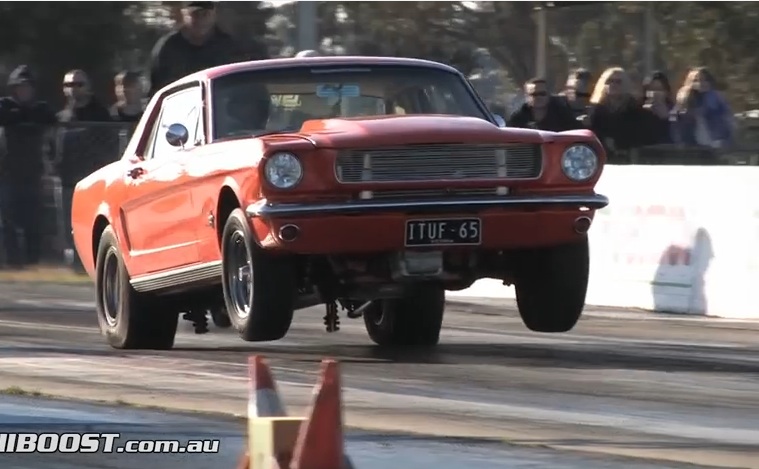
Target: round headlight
(579,162)
(283,170)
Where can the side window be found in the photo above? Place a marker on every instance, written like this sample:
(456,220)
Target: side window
(184,108)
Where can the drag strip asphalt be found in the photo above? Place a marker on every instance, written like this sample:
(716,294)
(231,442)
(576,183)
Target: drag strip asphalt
(366,450)
(667,391)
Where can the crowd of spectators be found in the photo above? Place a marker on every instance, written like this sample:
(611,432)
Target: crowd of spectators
(86,134)
(623,118)
(35,140)
(74,141)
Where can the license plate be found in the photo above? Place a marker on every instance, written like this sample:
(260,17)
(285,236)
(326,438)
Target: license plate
(446,231)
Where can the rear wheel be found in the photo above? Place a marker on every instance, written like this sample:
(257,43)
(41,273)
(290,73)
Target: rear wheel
(414,320)
(259,289)
(128,320)
(551,284)
(220,317)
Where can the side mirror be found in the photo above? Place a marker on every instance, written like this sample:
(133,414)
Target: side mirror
(177,135)
(499,120)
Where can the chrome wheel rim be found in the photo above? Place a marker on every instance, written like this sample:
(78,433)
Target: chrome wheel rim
(111,288)
(377,315)
(239,274)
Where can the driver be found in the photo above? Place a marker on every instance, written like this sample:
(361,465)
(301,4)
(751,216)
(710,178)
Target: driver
(247,110)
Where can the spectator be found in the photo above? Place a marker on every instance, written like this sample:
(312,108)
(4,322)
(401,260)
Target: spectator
(657,108)
(81,105)
(128,90)
(577,92)
(24,122)
(543,111)
(703,116)
(616,117)
(81,149)
(197,45)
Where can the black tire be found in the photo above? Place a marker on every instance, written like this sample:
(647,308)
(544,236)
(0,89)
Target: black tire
(264,310)
(220,317)
(414,320)
(551,284)
(128,320)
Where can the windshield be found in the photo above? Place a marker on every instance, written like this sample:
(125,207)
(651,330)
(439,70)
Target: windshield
(251,103)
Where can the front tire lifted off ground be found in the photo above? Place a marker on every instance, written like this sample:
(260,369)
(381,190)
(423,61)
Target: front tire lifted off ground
(414,320)
(128,319)
(259,289)
(551,284)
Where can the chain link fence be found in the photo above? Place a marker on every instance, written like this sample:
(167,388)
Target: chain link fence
(70,152)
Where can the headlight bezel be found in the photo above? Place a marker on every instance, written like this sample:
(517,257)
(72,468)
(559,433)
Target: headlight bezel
(272,159)
(564,158)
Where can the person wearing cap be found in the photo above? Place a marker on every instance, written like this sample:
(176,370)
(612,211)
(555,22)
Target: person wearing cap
(198,44)
(24,121)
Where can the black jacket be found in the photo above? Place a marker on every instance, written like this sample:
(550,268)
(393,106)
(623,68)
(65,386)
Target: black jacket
(558,117)
(627,126)
(118,115)
(23,129)
(174,57)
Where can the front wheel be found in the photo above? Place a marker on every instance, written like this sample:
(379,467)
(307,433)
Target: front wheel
(551,284)
(414,320)
(126,318)
(259,289)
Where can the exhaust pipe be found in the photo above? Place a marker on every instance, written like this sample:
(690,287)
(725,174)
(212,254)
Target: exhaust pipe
(581,225)
(289,233)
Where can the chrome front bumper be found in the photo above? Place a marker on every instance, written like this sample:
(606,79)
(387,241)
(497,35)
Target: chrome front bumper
(264,209)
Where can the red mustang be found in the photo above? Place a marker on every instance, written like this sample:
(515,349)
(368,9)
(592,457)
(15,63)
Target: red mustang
(368,184)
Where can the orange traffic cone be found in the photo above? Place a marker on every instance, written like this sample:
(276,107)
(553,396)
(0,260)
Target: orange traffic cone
(263,400)
(320,438)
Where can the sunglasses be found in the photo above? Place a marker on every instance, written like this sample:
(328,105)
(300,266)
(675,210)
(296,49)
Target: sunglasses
(539,94)
(74,84)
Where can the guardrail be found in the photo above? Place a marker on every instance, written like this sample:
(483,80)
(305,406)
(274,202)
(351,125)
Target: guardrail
(681,155)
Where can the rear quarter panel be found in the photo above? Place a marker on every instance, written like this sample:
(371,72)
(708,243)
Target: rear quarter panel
(97,195)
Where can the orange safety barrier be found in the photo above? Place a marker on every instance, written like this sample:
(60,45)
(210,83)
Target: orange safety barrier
(278,441)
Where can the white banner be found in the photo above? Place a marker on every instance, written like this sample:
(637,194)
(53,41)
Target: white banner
(679,239)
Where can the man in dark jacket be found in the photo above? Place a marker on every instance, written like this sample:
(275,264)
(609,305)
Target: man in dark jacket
(543,111)
(24,121)
(83,143)
(197,45)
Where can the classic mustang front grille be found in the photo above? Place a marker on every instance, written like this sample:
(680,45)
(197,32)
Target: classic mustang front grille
(430,194)
(422,163)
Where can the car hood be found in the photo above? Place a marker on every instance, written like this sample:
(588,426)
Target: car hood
(407,130)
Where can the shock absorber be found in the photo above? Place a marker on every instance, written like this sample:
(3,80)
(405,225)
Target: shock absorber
(332,318)
(199,320)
